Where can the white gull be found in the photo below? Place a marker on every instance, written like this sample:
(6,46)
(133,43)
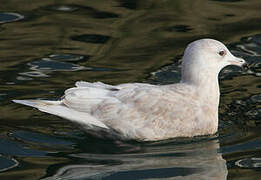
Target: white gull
(151,112)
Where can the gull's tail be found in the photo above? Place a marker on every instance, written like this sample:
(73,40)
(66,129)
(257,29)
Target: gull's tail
(59,109)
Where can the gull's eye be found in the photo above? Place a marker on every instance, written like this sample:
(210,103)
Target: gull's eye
(222,53)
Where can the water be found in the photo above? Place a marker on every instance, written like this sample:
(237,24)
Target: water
(48,45)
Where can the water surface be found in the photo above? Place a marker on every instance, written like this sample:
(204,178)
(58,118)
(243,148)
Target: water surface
(46,46)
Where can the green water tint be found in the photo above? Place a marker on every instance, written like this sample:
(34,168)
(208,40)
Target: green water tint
(46,46)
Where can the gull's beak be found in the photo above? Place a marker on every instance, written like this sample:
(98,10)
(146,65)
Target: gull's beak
(238,62)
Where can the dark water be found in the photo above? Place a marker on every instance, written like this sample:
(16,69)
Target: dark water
(45,46)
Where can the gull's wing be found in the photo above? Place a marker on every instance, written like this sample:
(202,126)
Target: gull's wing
(59,109)
(135,110)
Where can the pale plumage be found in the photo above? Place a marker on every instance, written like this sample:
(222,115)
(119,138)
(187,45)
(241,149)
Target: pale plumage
(151,112)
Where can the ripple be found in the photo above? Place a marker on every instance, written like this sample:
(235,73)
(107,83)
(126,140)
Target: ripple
(31,74)
(84,9)
(229,15)
(179,28)
(44,66)
(47,64)
(257,67)
(258,74)
(10,17)
(104,15)
(22,78)
(166,75)
(7,163)
(241,102)
(256,39)
(248,46)
(68,57)
(2,95)
(15,148)
(256,98)
(43,139)
(249,163)
(63,8)
(254,114)
(129,4)
(91,38)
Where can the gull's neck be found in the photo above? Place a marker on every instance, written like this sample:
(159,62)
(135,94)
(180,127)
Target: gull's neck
(206,84)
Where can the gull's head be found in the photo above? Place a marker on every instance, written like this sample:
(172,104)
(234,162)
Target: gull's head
(205,58)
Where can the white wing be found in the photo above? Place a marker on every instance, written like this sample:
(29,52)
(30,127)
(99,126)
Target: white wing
(136,111)
(58,108)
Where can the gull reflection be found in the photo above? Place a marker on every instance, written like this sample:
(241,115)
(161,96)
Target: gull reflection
(197,160)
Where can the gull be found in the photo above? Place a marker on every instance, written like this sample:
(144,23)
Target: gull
(146,112)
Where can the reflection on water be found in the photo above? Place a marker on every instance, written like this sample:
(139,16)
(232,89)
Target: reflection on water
(46,46)
(7,163)
(10,17)
(46,65)
(187,161)
(249,163)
